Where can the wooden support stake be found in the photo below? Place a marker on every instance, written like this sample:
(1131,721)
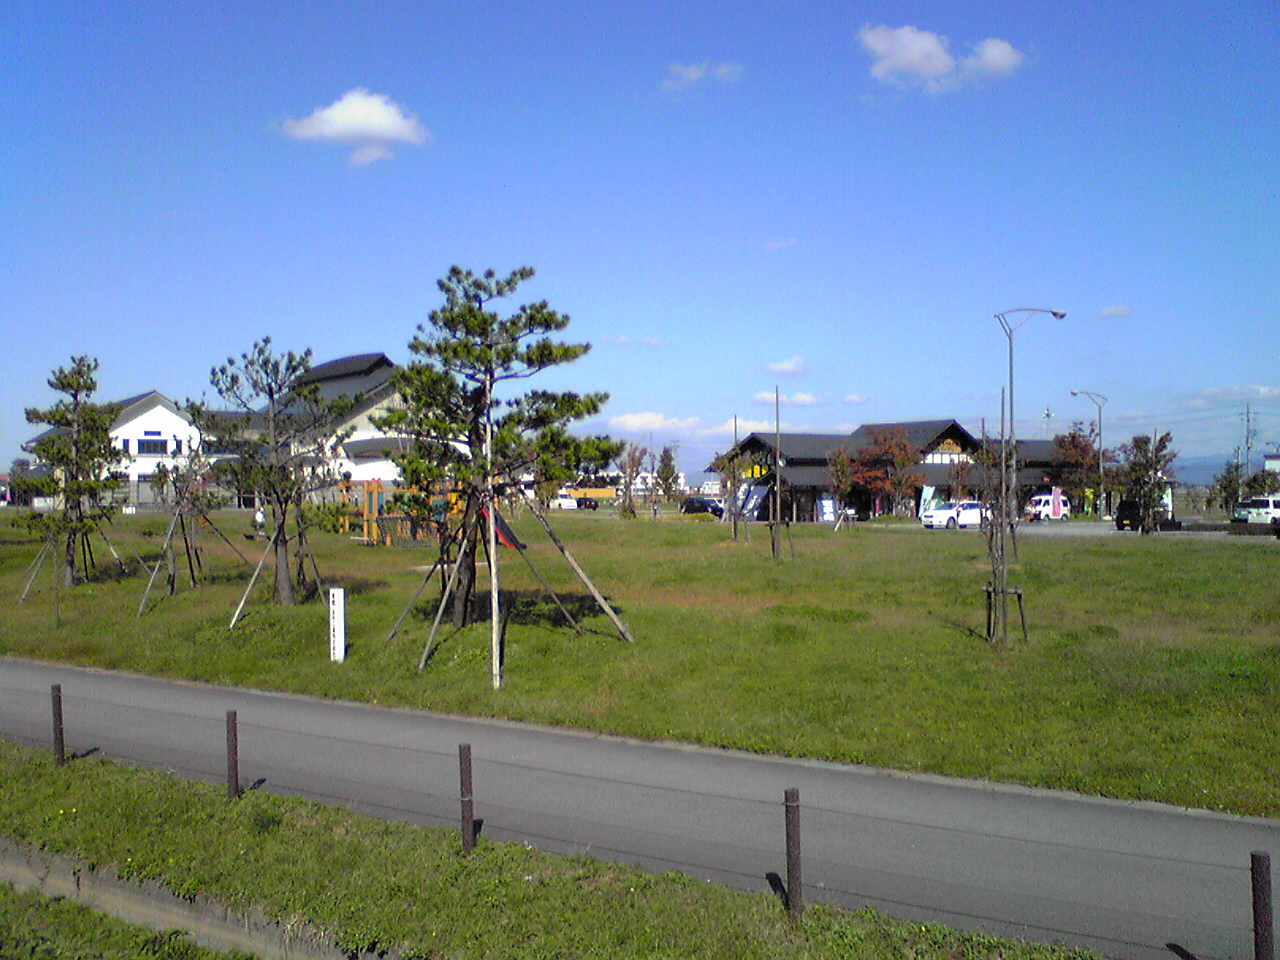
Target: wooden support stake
(1263,935)
(254,579)
(59,744)
(463,552)
(233,757)
(468,800)
(163,551)
(795,885)
(551,593)
(604,604)
(45,551)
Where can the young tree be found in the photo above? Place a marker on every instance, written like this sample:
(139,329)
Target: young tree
(1145,464)
(630,464)
(667,475)
(1227,485)
(883,467)
(841,476)
(1080,459)
(732,470)
(452,411)
(78,451)
(282,436)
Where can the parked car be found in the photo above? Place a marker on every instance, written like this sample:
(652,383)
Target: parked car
(1128,515)
(1258,510)
(563,501)
(588,503)
(957,513)
(702,505)
(1044,507)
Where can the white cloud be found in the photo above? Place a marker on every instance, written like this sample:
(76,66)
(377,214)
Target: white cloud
(644,422)
(993,58)
(1115,310)
(680,75)
(795,400)
(743,427)
(909,56)
(1233,396)
(623,340)
(790,368)
(370,121)
(855,398)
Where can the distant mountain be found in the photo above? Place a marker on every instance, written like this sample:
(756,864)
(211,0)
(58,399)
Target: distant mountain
(1199,471)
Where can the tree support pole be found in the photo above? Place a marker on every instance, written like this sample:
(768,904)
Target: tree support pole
(599,598)
(35,568)
(463,551)
(168,537)
(254,579)
(551,593)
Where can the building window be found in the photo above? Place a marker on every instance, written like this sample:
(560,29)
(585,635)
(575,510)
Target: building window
(177,446)
(151,433)
(124,445)
(152,447)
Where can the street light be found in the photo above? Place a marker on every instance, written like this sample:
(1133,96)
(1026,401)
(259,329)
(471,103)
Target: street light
(1098,401)
(1019,315)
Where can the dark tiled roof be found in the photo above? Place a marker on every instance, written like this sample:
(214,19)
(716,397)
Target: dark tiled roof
(921,434)
(361,365)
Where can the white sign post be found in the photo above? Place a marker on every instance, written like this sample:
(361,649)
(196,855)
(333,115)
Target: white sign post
(337,624)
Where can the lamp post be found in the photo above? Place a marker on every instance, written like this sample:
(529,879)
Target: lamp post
(1010,321)
(1098,401)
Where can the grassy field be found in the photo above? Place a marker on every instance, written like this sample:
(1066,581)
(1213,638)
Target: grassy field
(1152,669)
(374,885)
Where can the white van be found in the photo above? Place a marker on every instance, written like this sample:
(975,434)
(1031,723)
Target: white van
(1045,506)
(1260,510)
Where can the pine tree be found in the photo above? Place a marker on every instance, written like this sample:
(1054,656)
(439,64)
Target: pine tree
(79,453)
(459,425)
(281,437)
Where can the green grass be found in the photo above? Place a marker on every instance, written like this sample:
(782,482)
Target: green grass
(374,885)
(1152,670)
(33,927)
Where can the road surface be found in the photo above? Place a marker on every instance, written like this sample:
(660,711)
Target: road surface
(1127,879)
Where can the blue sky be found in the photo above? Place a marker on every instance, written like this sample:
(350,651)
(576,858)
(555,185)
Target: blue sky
(829,200)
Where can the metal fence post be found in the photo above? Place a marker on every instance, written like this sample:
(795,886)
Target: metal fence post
(1263,936)
(233,757)
(468,802)
(795,891)
(59,745)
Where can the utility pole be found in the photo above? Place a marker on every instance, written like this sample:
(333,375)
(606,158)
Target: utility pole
(777,474)
(1248,439)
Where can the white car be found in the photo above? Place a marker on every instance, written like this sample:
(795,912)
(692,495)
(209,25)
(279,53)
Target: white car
(1043,507)
(563,501)
(957,513)
(1259,510)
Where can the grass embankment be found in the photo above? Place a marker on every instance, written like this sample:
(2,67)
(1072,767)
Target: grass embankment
(1152,670)
(377,885)
(33,927)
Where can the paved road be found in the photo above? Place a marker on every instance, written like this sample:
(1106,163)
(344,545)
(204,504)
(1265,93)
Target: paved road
(1124,878)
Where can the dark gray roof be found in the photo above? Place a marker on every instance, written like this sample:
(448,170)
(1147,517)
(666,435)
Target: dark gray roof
(921,434)
(361,365)
(798,447)
(373,447)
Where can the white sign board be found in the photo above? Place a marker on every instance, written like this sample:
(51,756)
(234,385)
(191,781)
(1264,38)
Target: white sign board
(337,624)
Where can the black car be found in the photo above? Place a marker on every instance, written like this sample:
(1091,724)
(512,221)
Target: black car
(702,505)
(1129,514)
(588,503)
